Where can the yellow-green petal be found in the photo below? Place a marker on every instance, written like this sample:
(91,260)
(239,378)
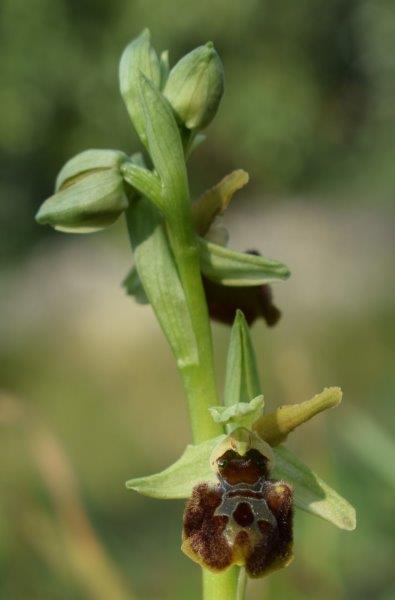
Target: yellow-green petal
(274,427)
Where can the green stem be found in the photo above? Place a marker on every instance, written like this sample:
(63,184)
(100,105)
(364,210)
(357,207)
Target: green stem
(199,380)
(241,584)
(221,586)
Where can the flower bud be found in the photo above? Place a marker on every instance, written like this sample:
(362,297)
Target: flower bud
(195,86)
(89,193)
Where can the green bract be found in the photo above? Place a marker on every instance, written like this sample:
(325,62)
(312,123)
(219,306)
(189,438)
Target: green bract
(242,379)
(195,86)
(165,146)
(138,58)
(156,270)
(228,267)
(89,193)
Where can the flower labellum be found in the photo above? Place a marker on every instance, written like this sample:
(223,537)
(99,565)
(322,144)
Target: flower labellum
(195,86)
(246,518)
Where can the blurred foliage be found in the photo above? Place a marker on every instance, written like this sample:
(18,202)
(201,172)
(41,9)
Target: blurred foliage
(309,112)
(309,102)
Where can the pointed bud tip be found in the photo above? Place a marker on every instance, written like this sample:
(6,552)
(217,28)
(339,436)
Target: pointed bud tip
(210,50)
(39,217)
(145,33)
(240,319)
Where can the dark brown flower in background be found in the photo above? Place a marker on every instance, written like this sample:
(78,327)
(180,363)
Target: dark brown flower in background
(254,302)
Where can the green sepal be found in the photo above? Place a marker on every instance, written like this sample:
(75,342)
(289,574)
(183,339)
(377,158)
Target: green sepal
(133,286)
(138,57)
(159,277)
(241,379)
(241,414)
(89,161)
(311,493)
(90,203)
(178,480)
(227,267)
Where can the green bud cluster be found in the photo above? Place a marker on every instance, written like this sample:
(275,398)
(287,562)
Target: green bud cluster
(89,193)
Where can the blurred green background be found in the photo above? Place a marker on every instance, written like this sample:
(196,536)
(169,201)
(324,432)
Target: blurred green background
(90,395)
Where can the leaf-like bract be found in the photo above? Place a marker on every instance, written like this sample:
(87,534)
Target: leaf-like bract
(228,267)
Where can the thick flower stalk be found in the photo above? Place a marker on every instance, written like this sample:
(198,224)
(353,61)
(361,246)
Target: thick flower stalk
(241,483)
